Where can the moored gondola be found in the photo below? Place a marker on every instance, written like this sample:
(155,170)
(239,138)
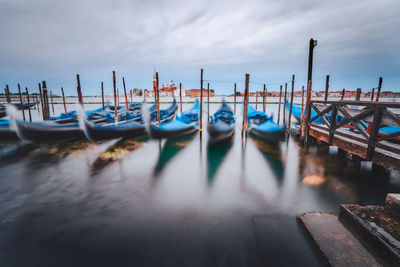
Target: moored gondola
(184,125)
(124,129)
(263,127)
(222,125)
(6,133)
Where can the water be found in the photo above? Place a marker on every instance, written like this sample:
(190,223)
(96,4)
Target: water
(143,202)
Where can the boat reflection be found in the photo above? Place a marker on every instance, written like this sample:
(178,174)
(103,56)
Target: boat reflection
(170,149)
(273,155)
(216,154)
(116,152)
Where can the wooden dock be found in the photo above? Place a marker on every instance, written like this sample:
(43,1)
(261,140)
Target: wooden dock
(357,127)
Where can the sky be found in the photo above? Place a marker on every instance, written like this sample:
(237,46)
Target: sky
(358,41)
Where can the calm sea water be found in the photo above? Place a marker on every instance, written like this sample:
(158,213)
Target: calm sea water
(144,202)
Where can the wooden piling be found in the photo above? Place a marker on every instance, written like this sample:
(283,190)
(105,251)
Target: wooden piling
(80,98)
(245,104)
(115,98)
(102,95)
(358,95)
(201,100)
(63,96)
(279,104)
(234,99)
(180,96)
(343,92)
(284,104)
(158,98)
(256,99)
(52,103)
(46,113)
(41,100)
(155,92)
(379,89)
(307,113)
(208,102)
(131,96)
(22,103)
(126,97)
(326,88)
(7,91)
(302,107)
(264,95)
(291,101)
(29,104)
(372,94)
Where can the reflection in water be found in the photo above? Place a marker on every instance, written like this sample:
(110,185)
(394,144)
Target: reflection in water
(117,152)
(56,151)
(216,154)
(170,149)
(273,155)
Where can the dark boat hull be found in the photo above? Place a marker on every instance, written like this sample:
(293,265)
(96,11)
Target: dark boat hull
(103,132)
(7,134)
(173,134)
(48,131)
(271,137)
(218,135)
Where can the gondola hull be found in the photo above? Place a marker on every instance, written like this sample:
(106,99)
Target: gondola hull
(7,134)
(220,133)
(272,137)
(48,131)
(159,133)
(129,129)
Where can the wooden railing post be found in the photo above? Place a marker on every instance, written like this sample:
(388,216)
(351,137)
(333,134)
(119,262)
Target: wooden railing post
(376,122)
(343,92)
(307,113)
(332,127)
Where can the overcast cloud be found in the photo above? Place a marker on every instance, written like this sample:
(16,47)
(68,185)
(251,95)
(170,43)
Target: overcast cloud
(358,41)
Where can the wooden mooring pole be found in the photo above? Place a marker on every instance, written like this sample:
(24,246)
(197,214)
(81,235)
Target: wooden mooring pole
(372,94)
(291,101)
(180,96)
(22,103)
(126,97)
(208,102)
(264,95)
(256,99)
(115,98)
(343,92)
(379,89)
(102,95)
(358,95)
(302,107)
(234,99)
(326,88)
(284,104)
(63,97)
(201,100)
(245,104)
(52,103)
(41,100)
(29,104)
(78,88)
(131,96)
(158,98)
(7,91)
(279,104)
(45,101)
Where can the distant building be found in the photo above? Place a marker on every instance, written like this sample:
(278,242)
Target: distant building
(169,90)
(196,93)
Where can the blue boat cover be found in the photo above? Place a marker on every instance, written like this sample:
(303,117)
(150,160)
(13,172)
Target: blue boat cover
(73,114)
(296,111)
(184,121)
(4,122)
(263,122)
(224,114)
(268,126)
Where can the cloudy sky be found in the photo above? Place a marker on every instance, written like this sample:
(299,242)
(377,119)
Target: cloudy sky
(358,41)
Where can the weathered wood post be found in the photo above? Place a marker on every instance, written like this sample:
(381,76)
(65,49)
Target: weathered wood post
(131,96)
(264,92)
(78,88)
(22,103)
(291,102)
(7,91)
(52,103)
(29,104)
(115,98)
(305,127)
(326,88)
(372,94)
(102,95)
(63,96)
(379,89)
(126,97)
(376,122)
(343,92)
(256,99)
(201,100)
(155,92)
(41,100)
(180,95)
(279,104)
(234,99)
(245,103)
(158,98)
(284,104)
(208,102)
(302,107)
(358,94)
(45,101)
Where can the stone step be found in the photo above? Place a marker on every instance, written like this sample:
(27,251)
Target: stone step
(378,228)
(339,246)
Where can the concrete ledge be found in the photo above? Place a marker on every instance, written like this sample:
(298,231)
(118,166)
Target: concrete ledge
(336,242)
